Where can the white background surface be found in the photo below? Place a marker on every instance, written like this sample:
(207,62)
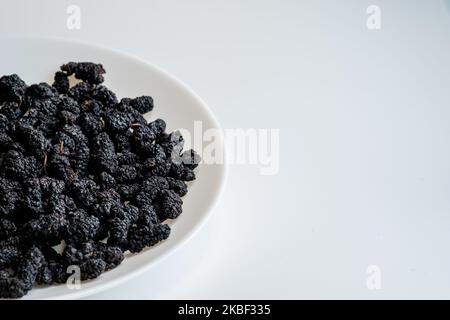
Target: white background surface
(364,153)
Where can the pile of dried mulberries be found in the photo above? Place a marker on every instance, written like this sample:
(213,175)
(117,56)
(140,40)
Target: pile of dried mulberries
(83,178)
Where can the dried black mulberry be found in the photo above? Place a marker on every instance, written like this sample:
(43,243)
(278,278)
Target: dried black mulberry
(84,178)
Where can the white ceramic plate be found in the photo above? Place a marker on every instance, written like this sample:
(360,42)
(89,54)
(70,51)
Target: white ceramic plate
(36,60)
